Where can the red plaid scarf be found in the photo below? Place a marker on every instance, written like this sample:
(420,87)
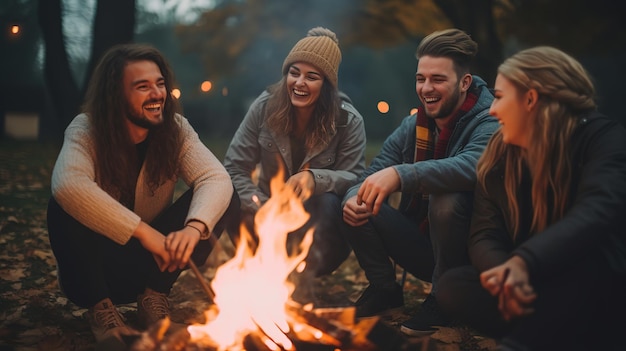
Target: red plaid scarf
(427,149)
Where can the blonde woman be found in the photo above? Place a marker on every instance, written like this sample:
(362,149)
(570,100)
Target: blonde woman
(548,233)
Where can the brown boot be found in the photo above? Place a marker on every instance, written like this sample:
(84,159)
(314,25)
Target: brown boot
(105,321)
(152,306)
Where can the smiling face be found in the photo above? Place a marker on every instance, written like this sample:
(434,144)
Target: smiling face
(438,87)
(304,83)
(145,92)
(513,110)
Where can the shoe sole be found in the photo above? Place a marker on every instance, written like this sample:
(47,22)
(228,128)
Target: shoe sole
(412,332)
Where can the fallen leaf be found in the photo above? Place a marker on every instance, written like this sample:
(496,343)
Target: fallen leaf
(447,335)
(12,275)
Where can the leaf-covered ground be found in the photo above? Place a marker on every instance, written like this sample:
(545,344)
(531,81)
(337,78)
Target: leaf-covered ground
(35,315)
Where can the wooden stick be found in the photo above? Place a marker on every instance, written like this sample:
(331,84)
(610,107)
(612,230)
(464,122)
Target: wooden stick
(205,286)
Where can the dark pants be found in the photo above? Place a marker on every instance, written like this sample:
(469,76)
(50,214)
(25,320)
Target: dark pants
(92,267)
(391,234)
(582,308)
(329,248)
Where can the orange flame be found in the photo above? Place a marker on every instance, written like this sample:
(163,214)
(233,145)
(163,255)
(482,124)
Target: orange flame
(251,289)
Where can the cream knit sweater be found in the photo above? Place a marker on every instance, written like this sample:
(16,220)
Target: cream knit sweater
(74,186)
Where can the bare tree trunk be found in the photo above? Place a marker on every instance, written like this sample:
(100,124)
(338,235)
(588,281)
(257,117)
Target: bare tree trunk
(114,24)
(59,82)
(476,18)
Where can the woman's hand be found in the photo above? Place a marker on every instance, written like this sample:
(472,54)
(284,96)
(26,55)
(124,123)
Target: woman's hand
(510,283)
(302,183)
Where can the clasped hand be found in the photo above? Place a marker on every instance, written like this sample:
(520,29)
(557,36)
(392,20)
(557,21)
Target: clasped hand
(170,252)
(510,283)
(179,246)
(371,196)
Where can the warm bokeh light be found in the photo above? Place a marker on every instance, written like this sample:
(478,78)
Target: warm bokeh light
(383,107)
(176,93)
(206,86)
(15,29)
(413,111)
(224,91)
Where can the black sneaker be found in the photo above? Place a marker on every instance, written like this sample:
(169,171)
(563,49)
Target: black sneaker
(427,320)
(376,301)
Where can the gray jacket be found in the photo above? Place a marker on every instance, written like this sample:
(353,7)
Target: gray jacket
(456,172)
(335,167)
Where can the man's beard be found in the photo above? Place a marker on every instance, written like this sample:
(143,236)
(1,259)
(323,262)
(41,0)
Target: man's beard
(448,106)
(141,121)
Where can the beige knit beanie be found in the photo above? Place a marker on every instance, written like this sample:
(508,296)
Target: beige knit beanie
(320,48)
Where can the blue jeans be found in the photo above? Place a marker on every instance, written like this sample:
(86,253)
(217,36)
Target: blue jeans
(391,235)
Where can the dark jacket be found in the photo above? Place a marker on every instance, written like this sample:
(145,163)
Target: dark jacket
(594,222)
(456,172)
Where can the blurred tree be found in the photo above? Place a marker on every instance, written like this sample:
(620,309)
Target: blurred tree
(114,23)
(477,19)
(592,31)
(63,91)
(580,27)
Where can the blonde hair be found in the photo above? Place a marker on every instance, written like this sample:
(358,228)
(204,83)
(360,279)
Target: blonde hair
(565,92)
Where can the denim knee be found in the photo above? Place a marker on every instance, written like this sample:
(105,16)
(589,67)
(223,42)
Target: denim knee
(450,206)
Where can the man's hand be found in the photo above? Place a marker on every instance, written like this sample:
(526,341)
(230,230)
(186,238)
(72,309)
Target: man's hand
(181,243)
(376,188)
(354,214)
(154,242)
(510,282)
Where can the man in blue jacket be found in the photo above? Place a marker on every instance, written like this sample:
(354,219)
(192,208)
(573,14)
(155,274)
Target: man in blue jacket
(431,158)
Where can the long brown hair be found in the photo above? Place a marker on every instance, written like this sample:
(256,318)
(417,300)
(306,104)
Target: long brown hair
(565,92)
(116,156)
(280,113)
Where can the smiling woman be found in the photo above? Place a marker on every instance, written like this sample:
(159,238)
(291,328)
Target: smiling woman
(303,125)
(548,211)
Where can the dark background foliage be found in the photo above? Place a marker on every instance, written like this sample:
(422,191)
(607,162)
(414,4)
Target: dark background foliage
(239,46)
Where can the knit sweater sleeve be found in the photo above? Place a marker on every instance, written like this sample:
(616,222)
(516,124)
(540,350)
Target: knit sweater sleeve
(202,171)
(74,187)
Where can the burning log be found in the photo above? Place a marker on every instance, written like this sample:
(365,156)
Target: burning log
(366,334)
(338,331)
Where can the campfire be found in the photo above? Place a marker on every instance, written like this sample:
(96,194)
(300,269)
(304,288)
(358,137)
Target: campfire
(251,292)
